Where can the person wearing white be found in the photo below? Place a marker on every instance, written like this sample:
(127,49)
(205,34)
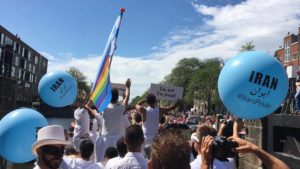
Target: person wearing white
(122,150)
(150,114)
(82,126)
(96,128)
(217,164)
(113,120)
(112,161)
(49,147)
(134,139)
(131,160)
(203,131)
(86,150)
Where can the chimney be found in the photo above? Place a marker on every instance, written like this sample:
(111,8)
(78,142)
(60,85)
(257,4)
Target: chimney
(288,33)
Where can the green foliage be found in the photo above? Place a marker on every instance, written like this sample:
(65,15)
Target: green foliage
(203,84)
(83,86)
(247,47)
(199,80)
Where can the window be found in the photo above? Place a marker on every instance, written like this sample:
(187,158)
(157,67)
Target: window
(23,51)
(294,56)
(287,51)
(25,64)
(33,69)
(20,74)
(29,55)
(12,71)
(29,67)
(36,59)
(17,61)
(2,39)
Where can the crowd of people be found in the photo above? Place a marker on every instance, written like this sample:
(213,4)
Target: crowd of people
(114,139)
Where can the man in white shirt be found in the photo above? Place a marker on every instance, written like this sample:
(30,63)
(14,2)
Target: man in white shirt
(86,149)
(202,131)
(151,115)
(113,120)
(122,150)
(49,147)
(82,126)
(134,139)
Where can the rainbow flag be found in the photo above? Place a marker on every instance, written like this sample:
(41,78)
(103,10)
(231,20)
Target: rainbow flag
(101,92)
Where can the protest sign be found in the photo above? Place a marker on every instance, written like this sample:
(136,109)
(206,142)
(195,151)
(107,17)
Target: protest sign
(164,92)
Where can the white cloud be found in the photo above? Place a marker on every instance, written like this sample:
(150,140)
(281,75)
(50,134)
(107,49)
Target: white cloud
(224,31)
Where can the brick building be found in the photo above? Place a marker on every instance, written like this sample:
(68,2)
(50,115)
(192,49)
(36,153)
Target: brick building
(21,68)
(289,53)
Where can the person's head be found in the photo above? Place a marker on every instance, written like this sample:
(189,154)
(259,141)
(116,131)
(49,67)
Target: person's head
(121,147)
(86,149)
(170,150)
(114,95)
(50,146)
(136,118)
(202,131)
(110,152)
(70,150)
(134,138)
(151,99)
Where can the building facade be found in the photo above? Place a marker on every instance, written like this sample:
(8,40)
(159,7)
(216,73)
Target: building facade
(289,53)
(21,68)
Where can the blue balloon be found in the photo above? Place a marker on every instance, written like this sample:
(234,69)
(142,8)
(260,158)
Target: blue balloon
(252,84)
(58,89)
(18,132)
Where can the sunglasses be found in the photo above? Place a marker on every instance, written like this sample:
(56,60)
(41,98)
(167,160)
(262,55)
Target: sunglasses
(53,150)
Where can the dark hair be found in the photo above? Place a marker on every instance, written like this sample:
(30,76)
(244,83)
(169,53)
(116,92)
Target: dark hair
(137,117)
(170,150)
(205,130)
(121,147)
(70,150)
(114,95)
(151,99)
(111,152)
(134,136)
(86,148)
(162,120)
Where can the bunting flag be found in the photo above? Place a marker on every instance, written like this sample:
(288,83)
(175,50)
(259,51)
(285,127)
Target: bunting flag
(101,92)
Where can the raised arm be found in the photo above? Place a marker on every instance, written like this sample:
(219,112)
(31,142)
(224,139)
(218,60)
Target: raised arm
(139,107)
(91,111)
(270,161)
(127,91)
(164,110)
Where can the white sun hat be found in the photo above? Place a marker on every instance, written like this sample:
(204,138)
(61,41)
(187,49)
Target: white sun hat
(49,135)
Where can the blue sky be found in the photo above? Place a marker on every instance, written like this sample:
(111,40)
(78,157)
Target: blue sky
(154,34)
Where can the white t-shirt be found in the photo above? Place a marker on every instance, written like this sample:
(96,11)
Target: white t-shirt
(150,126)
(217,164)
(82,126)
(113,122)
(132,160)
(82,122)
(99,119)
(110,163)
(78,163)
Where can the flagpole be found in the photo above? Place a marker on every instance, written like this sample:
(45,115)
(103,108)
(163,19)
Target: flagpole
(122,10)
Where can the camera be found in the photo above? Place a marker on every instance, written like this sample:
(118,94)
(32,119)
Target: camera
(223,149)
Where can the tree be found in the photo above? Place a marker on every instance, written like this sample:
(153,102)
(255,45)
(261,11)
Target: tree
(182,74)
(247,47)
(203,84)
(82,83)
